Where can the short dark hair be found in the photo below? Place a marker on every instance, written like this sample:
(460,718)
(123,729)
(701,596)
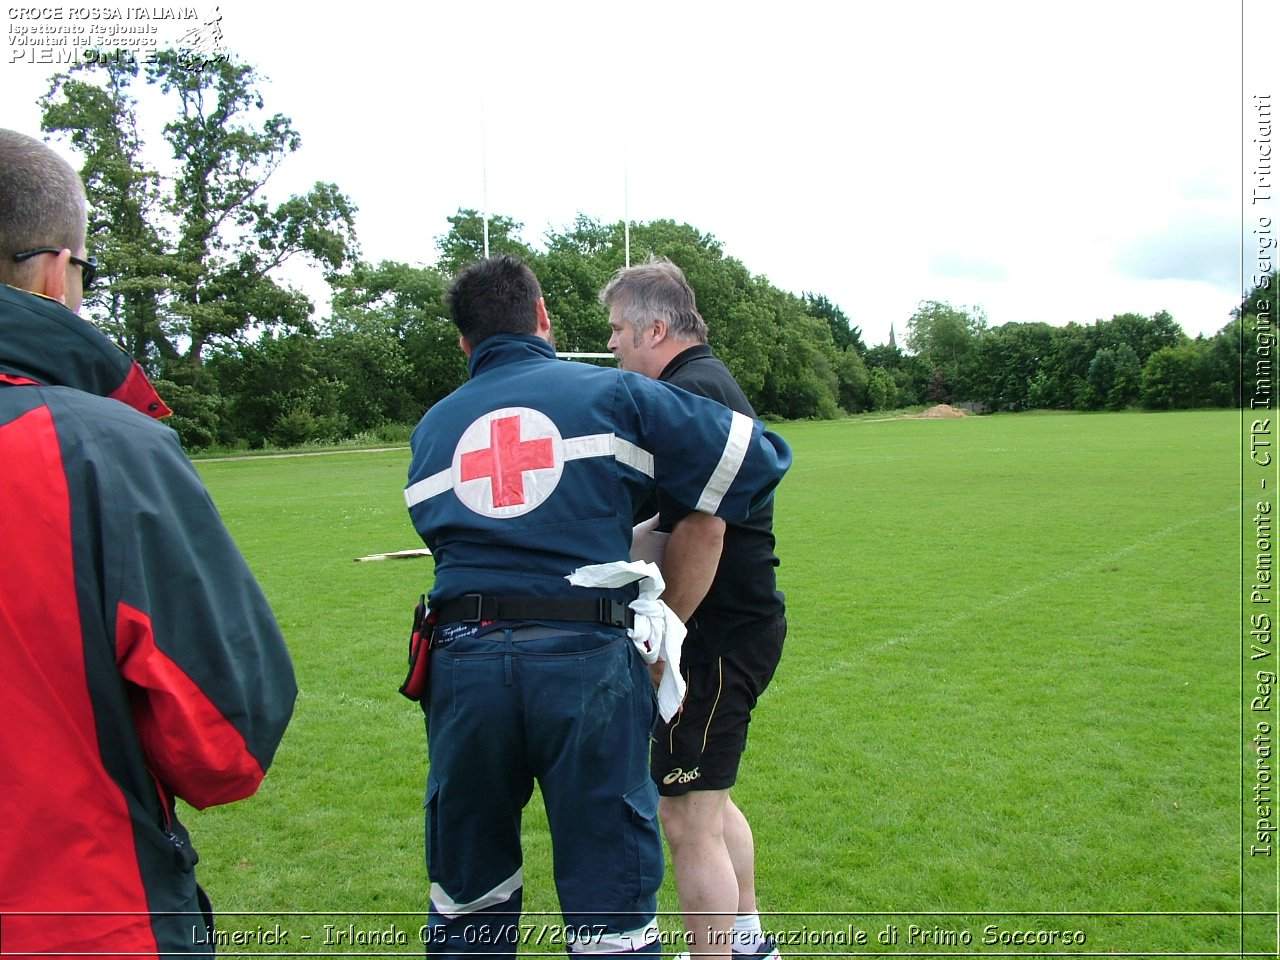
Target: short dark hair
(656,289)
(498,295)
(42,202)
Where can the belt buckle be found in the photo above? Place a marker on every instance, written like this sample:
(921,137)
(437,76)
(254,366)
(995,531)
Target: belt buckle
(479,601)
(613,613)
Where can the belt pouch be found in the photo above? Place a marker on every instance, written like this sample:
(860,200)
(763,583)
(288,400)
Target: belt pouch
(416,682)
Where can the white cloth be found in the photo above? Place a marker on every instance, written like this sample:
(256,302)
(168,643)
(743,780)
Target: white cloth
(658,632)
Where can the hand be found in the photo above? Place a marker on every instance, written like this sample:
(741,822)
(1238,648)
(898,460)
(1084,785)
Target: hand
(656,670)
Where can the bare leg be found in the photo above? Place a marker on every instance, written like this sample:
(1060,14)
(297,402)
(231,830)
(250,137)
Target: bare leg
(705,879)
(742,852)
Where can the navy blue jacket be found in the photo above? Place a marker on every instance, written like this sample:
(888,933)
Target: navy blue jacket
(536,466)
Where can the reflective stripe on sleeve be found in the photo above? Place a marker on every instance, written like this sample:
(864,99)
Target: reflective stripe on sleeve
(626,452)
(609,445)
(592,445)
(574,448)
(428,487)
(735,451)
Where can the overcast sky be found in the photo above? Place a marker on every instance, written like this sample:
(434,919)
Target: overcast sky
(1045,162)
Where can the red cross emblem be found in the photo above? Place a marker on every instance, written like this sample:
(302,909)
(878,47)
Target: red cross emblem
(508,462)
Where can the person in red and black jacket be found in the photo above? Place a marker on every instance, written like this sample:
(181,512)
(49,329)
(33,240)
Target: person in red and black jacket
(139,660)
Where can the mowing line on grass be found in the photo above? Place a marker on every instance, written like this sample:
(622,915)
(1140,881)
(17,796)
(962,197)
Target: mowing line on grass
(997,600)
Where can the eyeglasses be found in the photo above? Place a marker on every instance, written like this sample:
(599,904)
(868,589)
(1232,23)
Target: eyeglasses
(88,267)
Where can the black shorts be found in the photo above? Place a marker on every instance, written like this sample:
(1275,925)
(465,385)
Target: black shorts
(701,747)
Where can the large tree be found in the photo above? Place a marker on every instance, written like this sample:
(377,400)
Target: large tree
(465,242)
(1006,362)
(126,209)
(1178,378)
(578,263)
(843,332)
(397,310)
(1115,378)
(1144,335)
(944,337)
(943,333)
(192,256)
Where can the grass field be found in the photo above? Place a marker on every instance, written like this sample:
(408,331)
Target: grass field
(1011,685)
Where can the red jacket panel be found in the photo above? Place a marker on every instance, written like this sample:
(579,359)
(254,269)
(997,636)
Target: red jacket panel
(139,660)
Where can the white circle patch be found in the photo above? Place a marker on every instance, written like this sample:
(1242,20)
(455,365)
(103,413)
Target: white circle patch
(508,462)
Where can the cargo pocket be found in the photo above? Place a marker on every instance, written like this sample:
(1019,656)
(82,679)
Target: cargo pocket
(643,843)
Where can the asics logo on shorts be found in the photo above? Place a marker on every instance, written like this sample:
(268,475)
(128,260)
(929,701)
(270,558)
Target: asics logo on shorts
(680,776)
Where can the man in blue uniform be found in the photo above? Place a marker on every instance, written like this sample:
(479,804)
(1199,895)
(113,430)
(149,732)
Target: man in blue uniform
(531,470)
(720,580)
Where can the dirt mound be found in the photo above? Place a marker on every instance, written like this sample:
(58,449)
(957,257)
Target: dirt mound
(943,411)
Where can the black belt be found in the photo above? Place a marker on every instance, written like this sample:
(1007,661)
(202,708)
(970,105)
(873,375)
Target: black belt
(473,608)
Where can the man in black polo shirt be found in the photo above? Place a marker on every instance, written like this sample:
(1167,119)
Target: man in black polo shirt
(720,580)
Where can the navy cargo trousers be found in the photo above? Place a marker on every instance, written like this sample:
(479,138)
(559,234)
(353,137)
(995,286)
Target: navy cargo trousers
(570,706)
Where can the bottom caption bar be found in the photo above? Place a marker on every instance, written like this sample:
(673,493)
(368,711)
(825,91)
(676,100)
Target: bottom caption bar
(337,934)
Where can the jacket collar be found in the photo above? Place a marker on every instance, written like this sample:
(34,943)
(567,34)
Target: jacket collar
(43,342)
(696,352)
(504,348)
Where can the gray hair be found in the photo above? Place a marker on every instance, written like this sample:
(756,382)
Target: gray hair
(652,291)
(42,203)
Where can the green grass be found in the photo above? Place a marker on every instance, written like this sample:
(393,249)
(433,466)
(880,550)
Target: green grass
(1011,685)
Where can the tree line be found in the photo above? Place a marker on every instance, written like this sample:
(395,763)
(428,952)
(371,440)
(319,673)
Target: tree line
(192,255)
